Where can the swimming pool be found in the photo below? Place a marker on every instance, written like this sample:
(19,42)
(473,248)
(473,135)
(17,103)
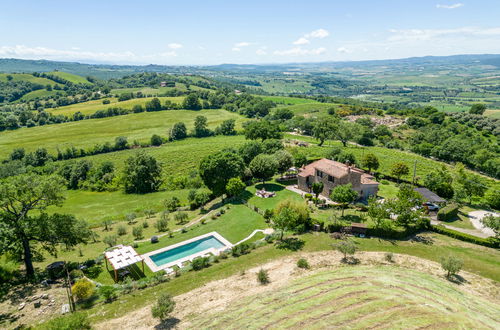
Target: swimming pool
(176,254)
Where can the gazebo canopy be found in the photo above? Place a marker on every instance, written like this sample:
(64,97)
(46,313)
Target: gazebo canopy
(121,257)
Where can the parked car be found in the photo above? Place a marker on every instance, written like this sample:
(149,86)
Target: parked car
(431,206)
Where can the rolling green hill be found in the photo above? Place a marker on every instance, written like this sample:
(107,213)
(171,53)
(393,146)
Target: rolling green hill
(70,77)
(26,77)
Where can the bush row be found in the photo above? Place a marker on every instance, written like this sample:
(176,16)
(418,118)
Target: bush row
(448,213)
(489,242)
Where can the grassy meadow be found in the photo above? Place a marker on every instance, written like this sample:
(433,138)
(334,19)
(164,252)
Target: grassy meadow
(27,77)
(86,133)
(89,107)
(75,79)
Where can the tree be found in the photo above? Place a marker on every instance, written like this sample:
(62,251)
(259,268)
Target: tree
(324,129)
(370,161)
(23,201)
(249,150)
(440,181)
(263,167)
(299,159)
(477,109)
(284,160)
(263,130)
(108,292)
(346,247)
(172,204)
(284,220)
(347,131)
(492,198)
(226,128)
(178,131)
(156,140)
(399,169)
(121,143)
(317,188)
(141,174)
(17,154)
(191,102)
(451,265)
(216,170)
(235,187)
(492,222)
(467,185)
(137,232)
(344,194)
(298,218)
(200,126)
(164,306)
(377,212)
(153,105)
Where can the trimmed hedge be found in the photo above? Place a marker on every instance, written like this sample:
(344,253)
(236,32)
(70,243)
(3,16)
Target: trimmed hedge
(447,213)
(489,242)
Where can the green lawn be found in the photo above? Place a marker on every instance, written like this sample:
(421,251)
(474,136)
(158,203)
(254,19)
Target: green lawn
(92,106)
(282,194)
(388,190)
(95,207)
(86,133)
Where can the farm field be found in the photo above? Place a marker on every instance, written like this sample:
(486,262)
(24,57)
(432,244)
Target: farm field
(75,79)
(285,100)
(310,108)
(86,133)
(156,91)
(89,107)
(27,77)
(384,296)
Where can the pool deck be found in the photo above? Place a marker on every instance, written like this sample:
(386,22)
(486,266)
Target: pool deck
(168,266)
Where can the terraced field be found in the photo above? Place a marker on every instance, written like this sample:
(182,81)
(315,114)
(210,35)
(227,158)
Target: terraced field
(358,298)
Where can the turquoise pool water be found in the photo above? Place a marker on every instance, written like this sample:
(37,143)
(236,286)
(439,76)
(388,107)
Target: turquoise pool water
(186,250)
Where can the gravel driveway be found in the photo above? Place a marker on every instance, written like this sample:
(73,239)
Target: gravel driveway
(476,216)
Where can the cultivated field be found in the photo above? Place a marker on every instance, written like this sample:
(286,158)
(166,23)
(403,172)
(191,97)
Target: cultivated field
(90,107)
(70,77)
(86,133)
(358,298)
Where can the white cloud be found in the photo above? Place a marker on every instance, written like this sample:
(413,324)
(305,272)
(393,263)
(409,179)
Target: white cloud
(427,34)
(174,46)
(236,49)
(319,33)
(242,44)
(25,52)
(261,51)
(297,51)
(344,50)
(301,41)
(453,6)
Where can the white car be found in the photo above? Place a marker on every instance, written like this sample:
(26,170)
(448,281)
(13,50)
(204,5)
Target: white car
(430,206)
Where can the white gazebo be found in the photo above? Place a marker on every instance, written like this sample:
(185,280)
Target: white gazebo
(122,257)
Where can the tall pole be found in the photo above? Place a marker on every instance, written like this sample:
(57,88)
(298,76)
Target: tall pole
(414,172)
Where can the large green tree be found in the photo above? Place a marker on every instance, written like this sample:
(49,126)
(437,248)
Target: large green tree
(477,109)
(191,102)
(370,161)
(324,128)
(201,127)
(263,130)
(24,225)
(284,160)
(141,174)
(216,170)
(346,131)
(263,167)
(344,195)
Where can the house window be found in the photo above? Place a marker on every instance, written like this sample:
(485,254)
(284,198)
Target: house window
(319,173)
(331,178)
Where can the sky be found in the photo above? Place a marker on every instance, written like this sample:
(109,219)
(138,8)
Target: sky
(245,32)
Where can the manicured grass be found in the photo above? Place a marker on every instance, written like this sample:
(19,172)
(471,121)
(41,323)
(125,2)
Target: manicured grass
(70,77)
(92,106)
(282,194)
(235,224)
(95,207)
(385,296)
(389,190)
(87,133)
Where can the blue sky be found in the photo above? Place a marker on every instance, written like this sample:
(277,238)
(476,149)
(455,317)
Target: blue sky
(220,31)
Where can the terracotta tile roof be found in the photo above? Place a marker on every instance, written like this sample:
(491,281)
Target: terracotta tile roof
(335,169)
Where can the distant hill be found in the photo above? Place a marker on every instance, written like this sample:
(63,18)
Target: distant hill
(106,71)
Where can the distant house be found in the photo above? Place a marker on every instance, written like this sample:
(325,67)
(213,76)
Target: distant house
(332,174)
(163,84)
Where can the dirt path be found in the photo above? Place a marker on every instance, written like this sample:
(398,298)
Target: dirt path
(218,295)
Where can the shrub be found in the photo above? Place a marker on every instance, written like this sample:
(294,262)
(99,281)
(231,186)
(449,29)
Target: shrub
(451,265)
(154,239)
(161,224)
(490,242)
(200,263)
(447,213)
(164,306)
(263,276)
(75,321)
(384,182)
(240,249)
(172,204)
(110,240)
(137,232)
(83,289)
(121,230)
(346,248)
(156,140)
(302,263)
(145,224)
(308,196)
(108,292)
(180,217)
(76,273)
(389,257)
(130,217)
